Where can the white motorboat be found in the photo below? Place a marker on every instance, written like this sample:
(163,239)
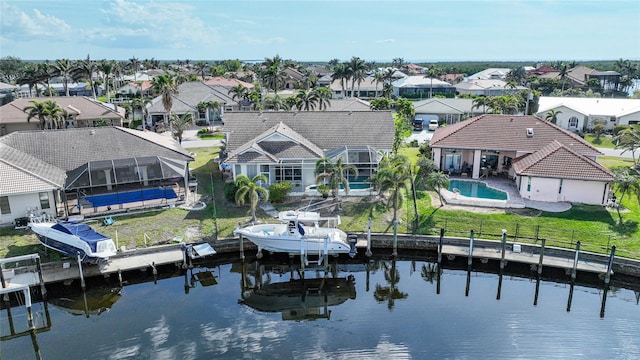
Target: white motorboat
(295,238)
(74,239)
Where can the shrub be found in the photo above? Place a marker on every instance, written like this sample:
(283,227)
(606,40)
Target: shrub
(230,191)
(279,191)
(204,131)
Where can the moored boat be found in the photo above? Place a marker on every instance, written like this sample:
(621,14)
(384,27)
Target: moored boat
(294,237)
(74,239)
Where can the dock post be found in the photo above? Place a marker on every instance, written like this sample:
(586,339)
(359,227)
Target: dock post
(440,245)
(241,244)
(369,253)
(4,284)
(117,244)
(43,289)
(504,248)
(27,303)
(575,261)
(395,238)
(120,277)
(535,296)
(544,242)
(82,284)
(470,260)
(607,276)
(466,289)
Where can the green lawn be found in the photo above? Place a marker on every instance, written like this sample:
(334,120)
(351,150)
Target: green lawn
(216,136)
(603,142)
(596,227)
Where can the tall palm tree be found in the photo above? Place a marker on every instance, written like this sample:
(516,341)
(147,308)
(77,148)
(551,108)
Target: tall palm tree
(179,124)
(563,74)
(379,78)
(480,101)
(165,86)
(394,178)
(107,68)
(356,69)
(324,94)
(201,68)
(436,181)
(552,116)
(134,65)
(63,68)
(340,72)
(238,92)
(140,103)
(334,174)
(31,76)
(629,140)
(37,110)
(251,190)
(433,72)
(273,74)
(84,69)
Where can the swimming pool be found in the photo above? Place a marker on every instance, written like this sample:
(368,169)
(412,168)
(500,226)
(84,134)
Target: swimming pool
(131,196)
(352,186)
(477,189)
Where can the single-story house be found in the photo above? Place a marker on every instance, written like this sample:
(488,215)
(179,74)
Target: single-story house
(446,110)
(89,172)
(419,87)
(82,111)
(490,73)
(284,146)
(136,88)
(546,162)
(368,88)
(189,95)
(581,114)
(228,83)
(487,87)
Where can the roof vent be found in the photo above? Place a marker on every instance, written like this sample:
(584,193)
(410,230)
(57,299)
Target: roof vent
(92,132)
(529,132)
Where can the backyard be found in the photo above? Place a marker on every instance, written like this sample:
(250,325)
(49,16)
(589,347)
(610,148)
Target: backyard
(596,227)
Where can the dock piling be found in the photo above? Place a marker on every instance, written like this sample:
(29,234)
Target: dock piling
(575,262)
(504,249)
(43,289)
(544,242)
(440,245)
(82,283)
(395,238)
(27,303)
(369,253)
(607,276)
(470,259)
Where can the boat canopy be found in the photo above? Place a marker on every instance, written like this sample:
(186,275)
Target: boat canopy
(83,231)
(125,171)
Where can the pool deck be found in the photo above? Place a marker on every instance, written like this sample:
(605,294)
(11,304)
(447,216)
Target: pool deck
(515,201)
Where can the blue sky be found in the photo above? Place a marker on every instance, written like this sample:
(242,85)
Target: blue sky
(303,30)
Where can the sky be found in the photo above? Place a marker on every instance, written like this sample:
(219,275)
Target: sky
(305,30)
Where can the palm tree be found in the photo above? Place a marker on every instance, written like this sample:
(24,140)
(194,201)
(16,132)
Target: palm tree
(49,114)
(426,166)
(84,69)
(140,103)
(324,94)
(201,67)
(563,74)
(63,68)
(356,69)
(30,76)
(379,78)
(134,65)
(629,140)
(480,101)
(165,86)
(394,177)
(552,116)
(107,67)
(277,103)
(273,75)
(436,181)
(307,99)
(238,92)
(433,72)
(251,190)
(340,72)
(333,174)
(626,183)
(179,124)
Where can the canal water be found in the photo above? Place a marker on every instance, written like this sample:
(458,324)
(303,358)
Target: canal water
(382,309)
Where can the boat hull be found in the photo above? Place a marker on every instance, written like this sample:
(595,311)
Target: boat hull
(278,238)
(71,245)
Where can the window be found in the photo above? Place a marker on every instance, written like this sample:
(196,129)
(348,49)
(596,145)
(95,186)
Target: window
(288,173)
(44,200)
(573,122)
(528,183)
(560,189)
(4,205)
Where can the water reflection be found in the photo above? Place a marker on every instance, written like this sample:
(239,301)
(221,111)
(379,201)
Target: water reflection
(260,308)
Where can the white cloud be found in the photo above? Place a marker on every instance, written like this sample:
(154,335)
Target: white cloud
(385,41)
(34,24)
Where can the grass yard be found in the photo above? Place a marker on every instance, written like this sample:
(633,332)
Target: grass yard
(216,136)
(603,142)
(596,227)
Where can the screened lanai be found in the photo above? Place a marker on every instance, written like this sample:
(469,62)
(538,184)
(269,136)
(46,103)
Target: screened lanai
(364,158)
(106,185)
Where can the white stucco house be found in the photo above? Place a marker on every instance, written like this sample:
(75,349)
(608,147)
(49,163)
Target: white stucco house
(546,162)
(579,114)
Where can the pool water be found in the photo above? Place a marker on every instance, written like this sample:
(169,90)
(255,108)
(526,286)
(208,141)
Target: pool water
(131,196)
(352,186)
(477,189)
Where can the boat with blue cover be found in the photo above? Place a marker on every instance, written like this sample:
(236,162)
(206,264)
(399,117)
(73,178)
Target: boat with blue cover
(74,239)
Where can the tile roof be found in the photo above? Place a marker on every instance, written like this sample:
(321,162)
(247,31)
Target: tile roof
(190,94)
(227,82)
(419,81)
(82,106)
(325,129)
(22,172)
(508,133)
(348,104)
(446,106)
(559,161)
(71,148)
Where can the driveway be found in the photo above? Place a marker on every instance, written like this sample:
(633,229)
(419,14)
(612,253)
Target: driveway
(421,136)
